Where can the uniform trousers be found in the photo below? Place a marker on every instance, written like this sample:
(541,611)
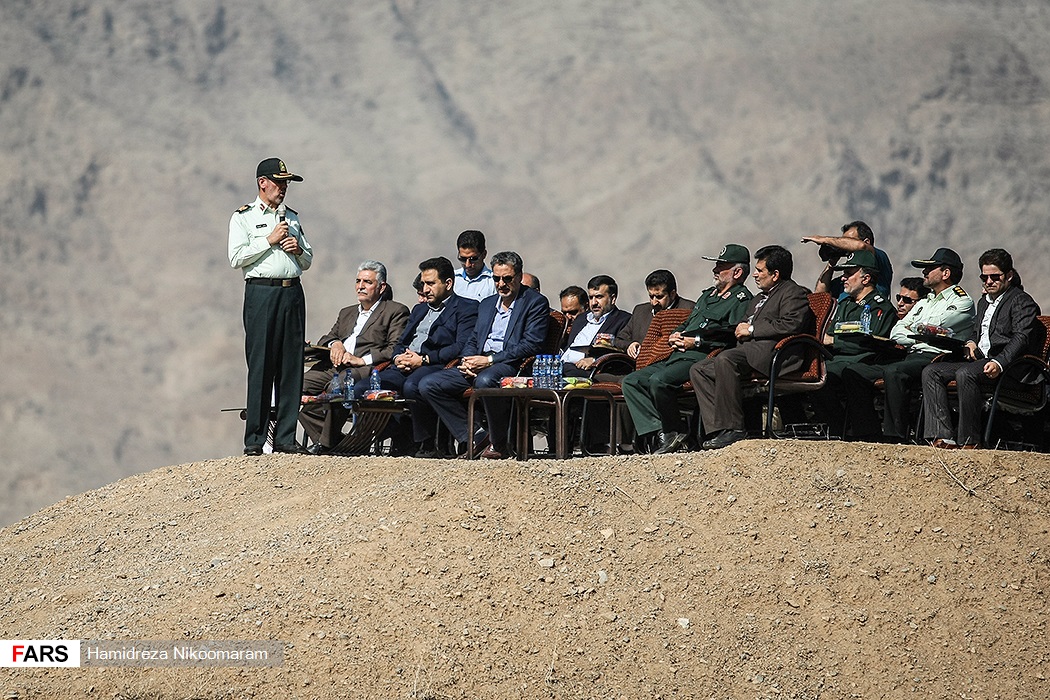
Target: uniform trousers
(274,338)
(899,375)
(651,393)
(443,390)
(970,385)
(828,401)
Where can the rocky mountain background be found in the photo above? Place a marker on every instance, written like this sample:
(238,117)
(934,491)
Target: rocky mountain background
(589,136)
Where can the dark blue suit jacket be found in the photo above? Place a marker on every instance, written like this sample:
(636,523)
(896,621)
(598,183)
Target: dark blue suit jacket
(449,333)
(525,333)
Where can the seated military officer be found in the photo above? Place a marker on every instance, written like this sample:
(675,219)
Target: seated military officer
(859,274)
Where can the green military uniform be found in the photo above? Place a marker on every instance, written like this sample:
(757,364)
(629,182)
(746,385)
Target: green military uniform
(651,393)
(827,402)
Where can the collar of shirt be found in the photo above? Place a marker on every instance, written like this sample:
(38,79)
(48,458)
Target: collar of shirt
(264,207)
(486,272)
(598,321)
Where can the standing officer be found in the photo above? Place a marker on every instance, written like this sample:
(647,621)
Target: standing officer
(267,244)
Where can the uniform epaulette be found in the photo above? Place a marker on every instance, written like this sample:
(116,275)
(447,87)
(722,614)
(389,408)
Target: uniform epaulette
(742,295)
(243,209)
(959,291)
(878,298)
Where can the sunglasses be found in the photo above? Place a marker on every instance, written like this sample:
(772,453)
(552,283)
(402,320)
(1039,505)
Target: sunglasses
(994,277)
(472,259)
(906,299)
(505,279)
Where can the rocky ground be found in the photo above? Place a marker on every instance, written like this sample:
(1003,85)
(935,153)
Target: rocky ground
(766,570)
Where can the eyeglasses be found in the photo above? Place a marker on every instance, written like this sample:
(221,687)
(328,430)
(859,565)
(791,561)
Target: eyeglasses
(472,259)
(994,277)
(505,279)
(906,299)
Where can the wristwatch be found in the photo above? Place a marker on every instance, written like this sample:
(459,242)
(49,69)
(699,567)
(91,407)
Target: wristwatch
(750,329)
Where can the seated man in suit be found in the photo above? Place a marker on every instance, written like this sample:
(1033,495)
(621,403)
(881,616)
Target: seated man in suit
(781,309)
(947,306)
(363,336)
(511,326)
(651,393)
(602,322)
(663,294)
(1005,318)
(437,331)
(859,273)
(573,301)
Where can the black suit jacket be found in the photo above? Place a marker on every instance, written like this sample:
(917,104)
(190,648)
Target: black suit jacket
(1011,327)
(613,324)
(449,333)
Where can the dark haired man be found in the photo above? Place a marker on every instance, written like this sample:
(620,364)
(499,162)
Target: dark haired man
(266,242)
(573,302)
(781,309)
(1006,315)
(856,235)
(912,290)
(603,320)
(474,279)
(662,288)
(511,326)
(437,331)
(947,306)
(651,393)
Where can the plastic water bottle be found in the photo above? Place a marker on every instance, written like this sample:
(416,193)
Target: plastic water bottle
(547,371)
(865,319)
(335,386)
(556,371)
(373,381)
(348,389)
(539,372)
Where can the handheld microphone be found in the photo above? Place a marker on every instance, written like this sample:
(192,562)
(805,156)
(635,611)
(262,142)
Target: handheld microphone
(281,209)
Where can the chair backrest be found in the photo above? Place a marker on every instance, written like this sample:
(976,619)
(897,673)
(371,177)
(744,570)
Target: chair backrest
(822,305)
(1039,342)
(551,342)
(654,347)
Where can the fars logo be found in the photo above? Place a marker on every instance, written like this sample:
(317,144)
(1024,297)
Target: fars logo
(34,653)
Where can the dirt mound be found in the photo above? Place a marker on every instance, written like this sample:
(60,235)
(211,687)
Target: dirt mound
(767,570)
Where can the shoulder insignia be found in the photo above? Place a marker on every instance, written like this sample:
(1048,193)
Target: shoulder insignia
(877,298)
(959,291)
(742,295)
(243,209)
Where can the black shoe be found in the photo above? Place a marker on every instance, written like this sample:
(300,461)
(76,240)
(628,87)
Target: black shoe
(253,451)
(668,442)
(291,449)
(318,449)
(725,439)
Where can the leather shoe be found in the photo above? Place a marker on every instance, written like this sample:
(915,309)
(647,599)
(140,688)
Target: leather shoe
(490,453)
(318,449)
(481,442)
(943,444)
(253,451)
(724,439)
(667,442)
(291,449)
